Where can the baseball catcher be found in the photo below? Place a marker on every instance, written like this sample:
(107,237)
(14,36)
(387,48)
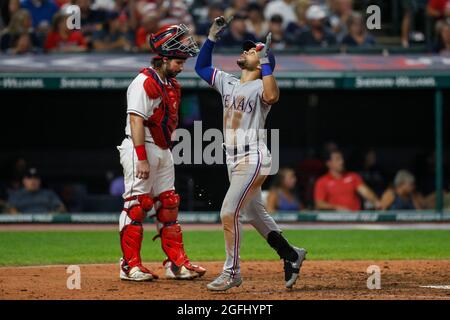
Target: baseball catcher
(153,100)
(246,104)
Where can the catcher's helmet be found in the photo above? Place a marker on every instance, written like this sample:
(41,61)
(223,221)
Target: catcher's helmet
(172,41)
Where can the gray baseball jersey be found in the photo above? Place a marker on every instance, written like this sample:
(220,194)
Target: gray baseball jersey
(244,117)
(244,110)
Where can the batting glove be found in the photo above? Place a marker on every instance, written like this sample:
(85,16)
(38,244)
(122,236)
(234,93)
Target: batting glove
(217,27)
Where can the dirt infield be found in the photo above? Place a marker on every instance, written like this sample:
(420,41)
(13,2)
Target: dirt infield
(262,280)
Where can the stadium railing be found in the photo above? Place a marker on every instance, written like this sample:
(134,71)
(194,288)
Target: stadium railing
(214,217)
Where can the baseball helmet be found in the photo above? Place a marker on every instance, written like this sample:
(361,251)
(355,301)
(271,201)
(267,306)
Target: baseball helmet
(248,44)
(173,42)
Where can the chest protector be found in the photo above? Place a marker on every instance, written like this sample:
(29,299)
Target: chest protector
(164,119)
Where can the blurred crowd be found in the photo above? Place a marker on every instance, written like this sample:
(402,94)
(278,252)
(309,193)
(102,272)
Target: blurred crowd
(326,184)
(315,183)
(124,25)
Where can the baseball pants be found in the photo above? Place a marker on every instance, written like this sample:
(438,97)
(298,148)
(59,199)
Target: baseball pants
(161,177)
(247,171)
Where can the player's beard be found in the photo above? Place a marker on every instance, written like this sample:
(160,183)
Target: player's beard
(242,63)
(171,74)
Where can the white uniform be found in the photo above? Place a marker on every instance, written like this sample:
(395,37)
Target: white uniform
(248,161)
(162,173)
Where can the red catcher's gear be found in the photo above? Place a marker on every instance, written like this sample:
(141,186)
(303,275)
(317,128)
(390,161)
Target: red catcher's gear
(131,235)
(174,41)
(164,119)
(171,234)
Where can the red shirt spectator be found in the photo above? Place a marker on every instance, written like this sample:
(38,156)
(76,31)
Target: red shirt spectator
(342,191)
(437,8)
(55,40)
(339,190)
(141,37)
(60,38)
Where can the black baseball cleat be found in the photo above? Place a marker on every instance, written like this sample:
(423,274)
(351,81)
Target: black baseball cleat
(292,269)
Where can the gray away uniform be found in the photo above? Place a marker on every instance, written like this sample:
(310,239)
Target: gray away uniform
(248,161)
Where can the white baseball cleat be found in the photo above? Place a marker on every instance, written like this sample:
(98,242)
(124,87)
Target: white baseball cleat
(179,273)
(137,273)
(224,282)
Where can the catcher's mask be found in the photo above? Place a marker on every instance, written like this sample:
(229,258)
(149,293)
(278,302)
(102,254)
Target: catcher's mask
(173,42)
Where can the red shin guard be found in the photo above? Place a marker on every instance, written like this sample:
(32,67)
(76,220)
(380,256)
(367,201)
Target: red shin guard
(131,240)
(172,243)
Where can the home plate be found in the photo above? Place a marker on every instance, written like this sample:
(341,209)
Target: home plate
(447,287)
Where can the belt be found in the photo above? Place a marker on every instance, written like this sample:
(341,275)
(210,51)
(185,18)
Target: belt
(129,137)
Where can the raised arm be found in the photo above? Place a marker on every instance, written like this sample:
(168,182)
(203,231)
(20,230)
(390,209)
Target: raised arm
(203,65)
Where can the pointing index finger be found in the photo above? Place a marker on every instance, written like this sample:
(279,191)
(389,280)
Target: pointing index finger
(268,40)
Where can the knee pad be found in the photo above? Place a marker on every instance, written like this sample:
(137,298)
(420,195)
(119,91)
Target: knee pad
(168,212)
(137,212)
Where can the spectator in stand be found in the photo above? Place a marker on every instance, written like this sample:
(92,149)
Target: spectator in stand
(342,10)
(237,6)
(42,12)
(33,199)
(92,20)
(128,7)
(316,34)
(281,196)
(357,33)
(115,36)
(235,35)
(149,25)
(256,23)
(284,8)
(402,195)
(371,172)
(296,27)
(19,37)
(340,189)
(276,27)
(438,9)
(412,11)
(168,11)
(200,12)
(105,5)
(61,39)
(443,45)
(215,10)
(7,10)
(62,3)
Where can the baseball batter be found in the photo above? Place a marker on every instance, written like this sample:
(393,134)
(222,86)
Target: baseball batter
(153,100)
(246,103)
